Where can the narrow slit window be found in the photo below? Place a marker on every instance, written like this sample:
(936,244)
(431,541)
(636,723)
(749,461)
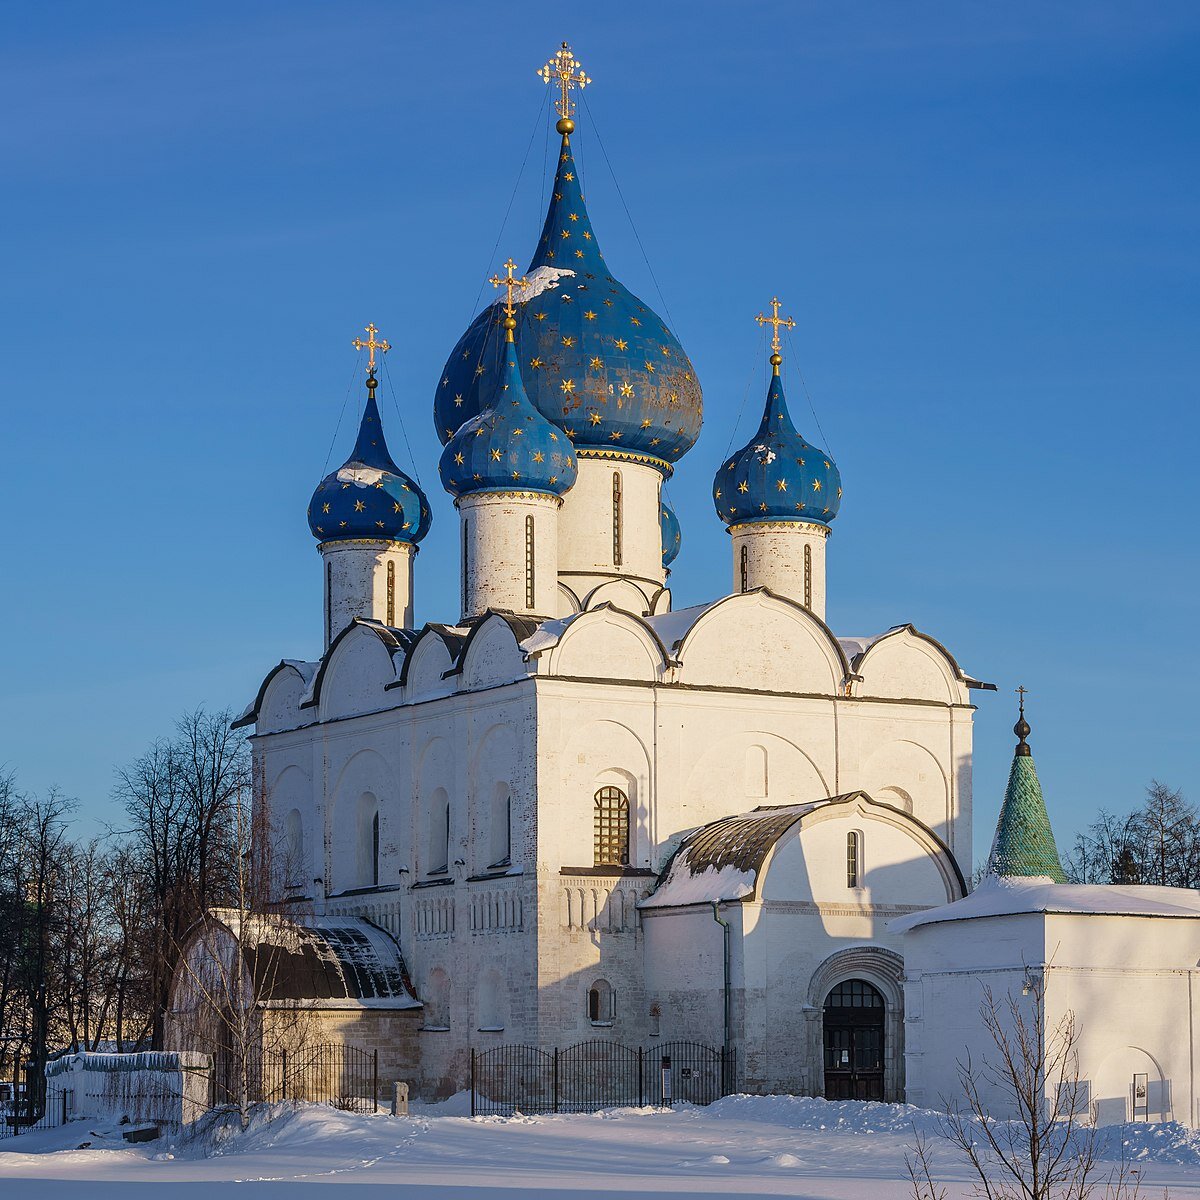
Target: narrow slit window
(743,567)
(808,577)
(616,518)
(853,858)
(465,564)
(375,850)
(611,831)
(391,592)
(530,580)
(328,602)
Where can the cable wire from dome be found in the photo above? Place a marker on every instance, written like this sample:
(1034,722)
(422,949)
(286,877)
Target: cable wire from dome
(762,333)
(793,358)
(345,401)
(400,419)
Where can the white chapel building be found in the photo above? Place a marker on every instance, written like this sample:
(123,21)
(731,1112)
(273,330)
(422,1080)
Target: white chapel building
(576,810)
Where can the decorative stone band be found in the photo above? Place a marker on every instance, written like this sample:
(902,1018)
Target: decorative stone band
(373,543)
(801,526)
(659,464)
(545,497)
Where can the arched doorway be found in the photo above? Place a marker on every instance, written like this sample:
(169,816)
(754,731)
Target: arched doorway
(854,1042)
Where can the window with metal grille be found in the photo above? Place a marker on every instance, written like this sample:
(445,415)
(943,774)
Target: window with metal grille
(744,567)
(808,577)
(328,601)
(602,1003)
(611,841)
(616,518)
(391,592)
(529,577)
(854,993)
(853,865)
(465,565)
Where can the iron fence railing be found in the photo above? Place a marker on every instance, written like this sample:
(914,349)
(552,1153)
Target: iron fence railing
(597,1074)
(330,1073)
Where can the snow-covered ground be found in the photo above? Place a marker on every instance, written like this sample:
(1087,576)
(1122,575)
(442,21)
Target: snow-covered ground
(746,1146)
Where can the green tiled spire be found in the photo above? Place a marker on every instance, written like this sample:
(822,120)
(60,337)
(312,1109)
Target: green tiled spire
(1024,842)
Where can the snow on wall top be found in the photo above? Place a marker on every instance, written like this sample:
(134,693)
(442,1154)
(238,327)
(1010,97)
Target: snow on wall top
(1006,896)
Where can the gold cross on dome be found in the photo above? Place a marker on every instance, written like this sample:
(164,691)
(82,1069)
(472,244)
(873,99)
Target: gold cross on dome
(371,345)
(510,284)
(775,321)
(566,69)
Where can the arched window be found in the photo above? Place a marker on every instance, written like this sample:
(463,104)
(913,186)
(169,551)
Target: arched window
(466,565)
(391,592)
(853,859)
(808,577)
(617,518)
(439,832)
(611,840)
(500,852)
(294,869)
(601,1003)
(743,567)
(529,576)
(367,865)
(328,602)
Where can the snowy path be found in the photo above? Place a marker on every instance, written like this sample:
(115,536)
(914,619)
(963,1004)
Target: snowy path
(743,1146)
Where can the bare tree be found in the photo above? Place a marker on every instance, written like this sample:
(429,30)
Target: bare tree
(1048,1148)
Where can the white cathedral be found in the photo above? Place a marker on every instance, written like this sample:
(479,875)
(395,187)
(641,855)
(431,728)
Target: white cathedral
(572,810)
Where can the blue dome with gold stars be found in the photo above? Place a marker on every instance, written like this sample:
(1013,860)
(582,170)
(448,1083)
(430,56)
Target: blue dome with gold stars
(671,536)
(777,476)
(597,361)
(369,497)
(509,446)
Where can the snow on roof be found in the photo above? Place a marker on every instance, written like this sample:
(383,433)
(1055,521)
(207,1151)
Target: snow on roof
(1005,896)
(722,860)
(547,634)
(672,627)
(853,647)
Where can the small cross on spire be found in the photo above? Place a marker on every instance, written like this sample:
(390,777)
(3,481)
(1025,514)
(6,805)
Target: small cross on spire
(510,284)
(565,68)
(1021,728)
(776,322)
(371,345)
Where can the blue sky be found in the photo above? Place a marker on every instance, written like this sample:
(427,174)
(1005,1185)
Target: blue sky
(984,219)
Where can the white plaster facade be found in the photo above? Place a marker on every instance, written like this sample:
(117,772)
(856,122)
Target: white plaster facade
(1122,961)
(480,749)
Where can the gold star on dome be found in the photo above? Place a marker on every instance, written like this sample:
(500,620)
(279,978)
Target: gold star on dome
(379,523)
(516,474)
(495,456)
(655,441)
(569,177)
(839,493)
(596,364)
(816,485)
(634,321)
(717,494)
(570,433)
(539,316)
(458,400)
(359,506)
(651,367)
(458,458)
(666,351)
(566,298)
(518,433)
(594,418)
(568,386)
(627,389)
(587,237)
(621,344)
(396,506)
(781,486)
(615,436)
(566,233)
(325,508)
(480,431)
(743,487)
(646,423)
(578,253)
(762,507)
(535,364)
(573,216)
(538,456)
(554,437)
(445,380)
(589,315)
(479,369)
(568,341)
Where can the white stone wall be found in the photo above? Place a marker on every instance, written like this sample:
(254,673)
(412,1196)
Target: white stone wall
(357,583)
(787,557)
(1130,983)
(497,564)
(586,558)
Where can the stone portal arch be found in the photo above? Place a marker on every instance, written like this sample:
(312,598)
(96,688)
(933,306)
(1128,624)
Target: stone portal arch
(883,969)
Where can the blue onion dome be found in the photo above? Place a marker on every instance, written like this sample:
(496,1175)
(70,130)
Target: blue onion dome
(509,446)
(369,496)
(671,536)
(778,476)
(597,361)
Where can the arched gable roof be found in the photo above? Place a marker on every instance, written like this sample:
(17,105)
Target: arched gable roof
(396,641)
(450,636)
(581,624)
(521,628)
(707,613)
(860,651)
(724,860)
(304,670)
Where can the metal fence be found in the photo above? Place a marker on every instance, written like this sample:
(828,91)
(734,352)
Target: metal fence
(346,1077)
(597,1074)
(24,1110)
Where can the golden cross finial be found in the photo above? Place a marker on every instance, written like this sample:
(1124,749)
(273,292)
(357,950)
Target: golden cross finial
(511,284)
(371,345)
(775,321)
(1022,692)
(566,69)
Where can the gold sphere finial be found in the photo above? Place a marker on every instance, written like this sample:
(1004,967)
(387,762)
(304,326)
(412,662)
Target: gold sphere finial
(565,126)
(510,323)
(565,70)
(776,360)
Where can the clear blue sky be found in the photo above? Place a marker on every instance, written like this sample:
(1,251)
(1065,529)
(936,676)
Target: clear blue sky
(983,217)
